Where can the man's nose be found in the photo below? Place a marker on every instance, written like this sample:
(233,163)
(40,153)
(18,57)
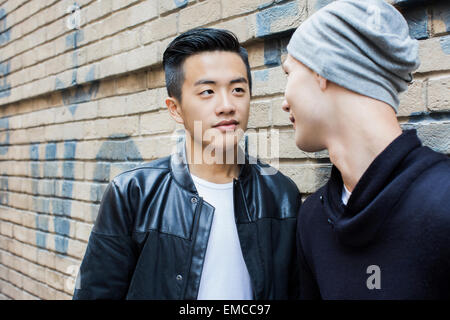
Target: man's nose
(225,105)
(285,106)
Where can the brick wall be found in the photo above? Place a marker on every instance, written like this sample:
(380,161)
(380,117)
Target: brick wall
(78,106)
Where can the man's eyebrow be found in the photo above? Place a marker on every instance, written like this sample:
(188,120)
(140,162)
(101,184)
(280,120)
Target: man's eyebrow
(204,81)
(239,80)
(207,81)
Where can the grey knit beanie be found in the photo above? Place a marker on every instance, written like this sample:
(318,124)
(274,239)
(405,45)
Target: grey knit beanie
(362,45)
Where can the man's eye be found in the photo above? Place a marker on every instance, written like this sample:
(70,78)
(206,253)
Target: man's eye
(206,92)
(239,90)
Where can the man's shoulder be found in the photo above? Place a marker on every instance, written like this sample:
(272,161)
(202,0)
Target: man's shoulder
(434,175)
(312,203)
(432,186)
(144,171)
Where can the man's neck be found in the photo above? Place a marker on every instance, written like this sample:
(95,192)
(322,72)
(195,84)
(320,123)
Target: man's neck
(207,167)
(356,143)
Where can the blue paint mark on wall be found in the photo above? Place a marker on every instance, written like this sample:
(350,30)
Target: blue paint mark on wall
(41,238)
(266,17)
(50,151)
(72,97)
(45,202)
(74,38)
(443,13)
(5,33)
(445,44)
(39,206)
(69,149)
(5,67)
(109,153)
(261,75)
(180,3)
(417,19)
(90,76)
(60,221)
(119,150)
(5,87)
(4,136)
(274,48)
(34,151)
(4,195)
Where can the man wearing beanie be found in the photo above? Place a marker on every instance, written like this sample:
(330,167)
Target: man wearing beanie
(380,227)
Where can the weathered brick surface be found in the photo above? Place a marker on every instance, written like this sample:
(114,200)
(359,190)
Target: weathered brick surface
(79,106)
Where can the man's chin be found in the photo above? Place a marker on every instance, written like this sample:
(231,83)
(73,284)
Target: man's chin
(308,146)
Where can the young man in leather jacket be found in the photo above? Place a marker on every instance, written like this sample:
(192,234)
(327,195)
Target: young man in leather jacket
(198,224)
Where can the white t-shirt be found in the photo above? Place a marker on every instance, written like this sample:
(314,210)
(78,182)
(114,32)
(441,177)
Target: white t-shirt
(345,195)
(224,275)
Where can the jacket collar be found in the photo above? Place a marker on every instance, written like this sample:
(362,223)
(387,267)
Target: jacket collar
(180,168)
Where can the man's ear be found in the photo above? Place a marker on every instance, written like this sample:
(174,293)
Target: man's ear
(174,109)
(321,81)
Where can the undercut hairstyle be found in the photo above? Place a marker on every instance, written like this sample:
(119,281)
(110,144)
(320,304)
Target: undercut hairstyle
(193,42)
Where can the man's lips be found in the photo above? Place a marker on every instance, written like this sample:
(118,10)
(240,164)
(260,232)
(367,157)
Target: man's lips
(226,125)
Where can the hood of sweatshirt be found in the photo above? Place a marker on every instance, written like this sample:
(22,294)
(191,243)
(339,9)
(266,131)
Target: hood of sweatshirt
(377,192)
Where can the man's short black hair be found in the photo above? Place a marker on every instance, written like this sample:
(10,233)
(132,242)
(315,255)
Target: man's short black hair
(193,42)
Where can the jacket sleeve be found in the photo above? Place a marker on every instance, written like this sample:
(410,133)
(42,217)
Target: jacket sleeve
(111,255)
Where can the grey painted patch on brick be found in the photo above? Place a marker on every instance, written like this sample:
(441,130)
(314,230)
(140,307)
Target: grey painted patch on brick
(418,117)
(4,135)
(5,86)
(417,19)
(4,194)
(109,153)
(445,44)
(119,150)
(275,47)
(441,12)
(62,225)
(433,129)
(72,97)
(266,17)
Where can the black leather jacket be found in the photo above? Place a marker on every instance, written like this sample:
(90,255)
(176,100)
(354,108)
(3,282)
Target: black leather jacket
(151,233)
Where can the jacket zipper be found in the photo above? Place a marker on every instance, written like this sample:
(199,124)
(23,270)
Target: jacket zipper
(193,239)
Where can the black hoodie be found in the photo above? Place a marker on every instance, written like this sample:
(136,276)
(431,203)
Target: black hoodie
(391,241)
